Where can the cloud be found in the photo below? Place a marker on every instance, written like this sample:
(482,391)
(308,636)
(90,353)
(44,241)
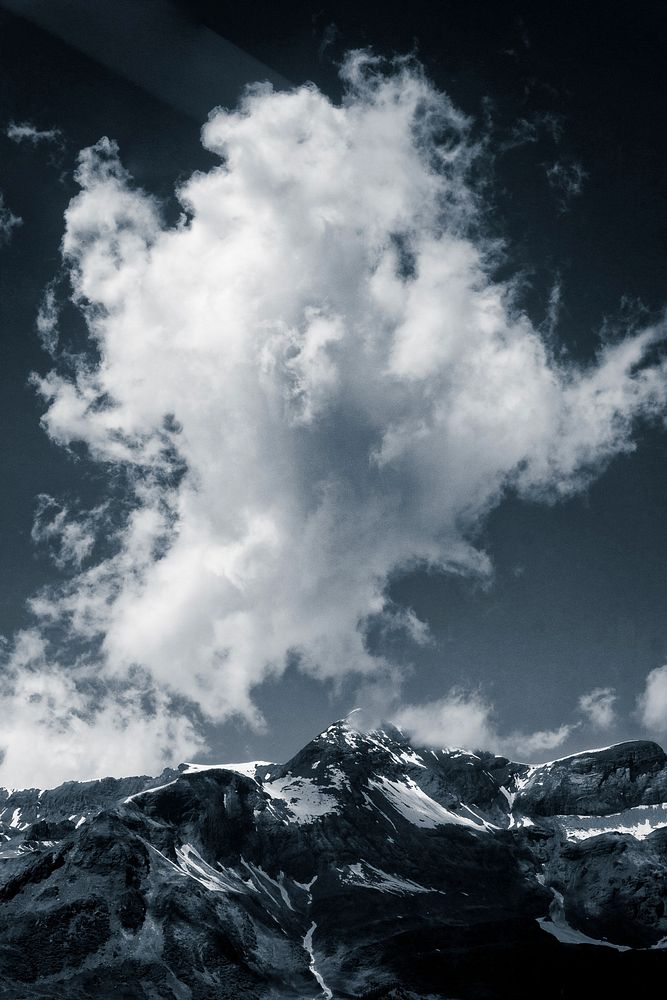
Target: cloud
(47,320)
(652,703)
(458,719)
(541,740)
(598,706)
(567,180)
(554,308)
(71,539)
(532,129)
(8,221)
(329,36)
(20,132)
(307,385)
(466,719)
(59,723)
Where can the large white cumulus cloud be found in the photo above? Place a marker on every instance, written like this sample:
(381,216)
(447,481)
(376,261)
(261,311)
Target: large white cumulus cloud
(312,381)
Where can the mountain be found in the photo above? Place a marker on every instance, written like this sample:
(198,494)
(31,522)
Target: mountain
(364,867)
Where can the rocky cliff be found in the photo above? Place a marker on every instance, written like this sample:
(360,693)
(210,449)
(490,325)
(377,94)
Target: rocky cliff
(364,867)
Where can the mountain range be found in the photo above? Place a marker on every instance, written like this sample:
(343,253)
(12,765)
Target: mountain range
(365,867)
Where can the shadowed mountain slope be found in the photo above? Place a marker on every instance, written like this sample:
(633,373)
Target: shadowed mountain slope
(364,867)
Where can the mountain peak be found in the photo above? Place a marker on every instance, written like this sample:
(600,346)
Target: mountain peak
(363,860)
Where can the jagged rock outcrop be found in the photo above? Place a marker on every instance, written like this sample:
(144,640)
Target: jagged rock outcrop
(364,867)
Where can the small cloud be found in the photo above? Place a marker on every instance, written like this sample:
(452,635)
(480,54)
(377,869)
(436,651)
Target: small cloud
(329,36)
(47,320)
(459,719)
(531,129)
(524,132)
(652,702)
(20,132)
(8,221)
(598,706)
(542,739)
(467,720)
(567,181)
(553,310)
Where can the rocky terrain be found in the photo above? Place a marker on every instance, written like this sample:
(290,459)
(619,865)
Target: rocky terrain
(364,867)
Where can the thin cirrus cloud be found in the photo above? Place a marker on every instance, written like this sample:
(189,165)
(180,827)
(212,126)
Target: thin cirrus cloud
(8,221)
(310,383)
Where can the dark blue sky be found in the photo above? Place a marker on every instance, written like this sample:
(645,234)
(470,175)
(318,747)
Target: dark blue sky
(579,592)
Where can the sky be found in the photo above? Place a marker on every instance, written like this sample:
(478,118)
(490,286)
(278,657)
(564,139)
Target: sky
(333,376)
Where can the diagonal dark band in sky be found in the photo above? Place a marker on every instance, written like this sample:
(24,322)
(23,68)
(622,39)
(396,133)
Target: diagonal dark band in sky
(154,44)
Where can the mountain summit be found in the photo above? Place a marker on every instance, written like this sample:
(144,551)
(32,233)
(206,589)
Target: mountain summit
(364,867)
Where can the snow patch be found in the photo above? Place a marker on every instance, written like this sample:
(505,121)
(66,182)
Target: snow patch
(367,876)
(412,757)
(275,889)
(308,946)
(510,796)
(247,768)
(303,799)
(371,805)
(334,776)
(556,925)
(191,863)
(579,753)
(639,821)
(148,791)
(420,809)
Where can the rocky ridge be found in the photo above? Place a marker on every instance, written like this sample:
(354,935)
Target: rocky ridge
(364,867)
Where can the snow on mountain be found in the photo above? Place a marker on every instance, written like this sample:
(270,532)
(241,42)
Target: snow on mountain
(362,867)
(639,822)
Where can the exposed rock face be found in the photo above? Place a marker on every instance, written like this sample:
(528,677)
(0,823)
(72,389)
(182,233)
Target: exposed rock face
(614,886)
(597,782)
(65,807)
(364,867)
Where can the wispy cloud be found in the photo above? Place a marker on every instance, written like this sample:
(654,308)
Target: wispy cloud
(598,706)
(567,181)
(21,132)
(541,740)
(47,320)
(8,221)
(533,128)
(310,383)
(69,537)
(467,719)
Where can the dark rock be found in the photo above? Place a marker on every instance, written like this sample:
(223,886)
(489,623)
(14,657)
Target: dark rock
(598,782)
(391,871)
